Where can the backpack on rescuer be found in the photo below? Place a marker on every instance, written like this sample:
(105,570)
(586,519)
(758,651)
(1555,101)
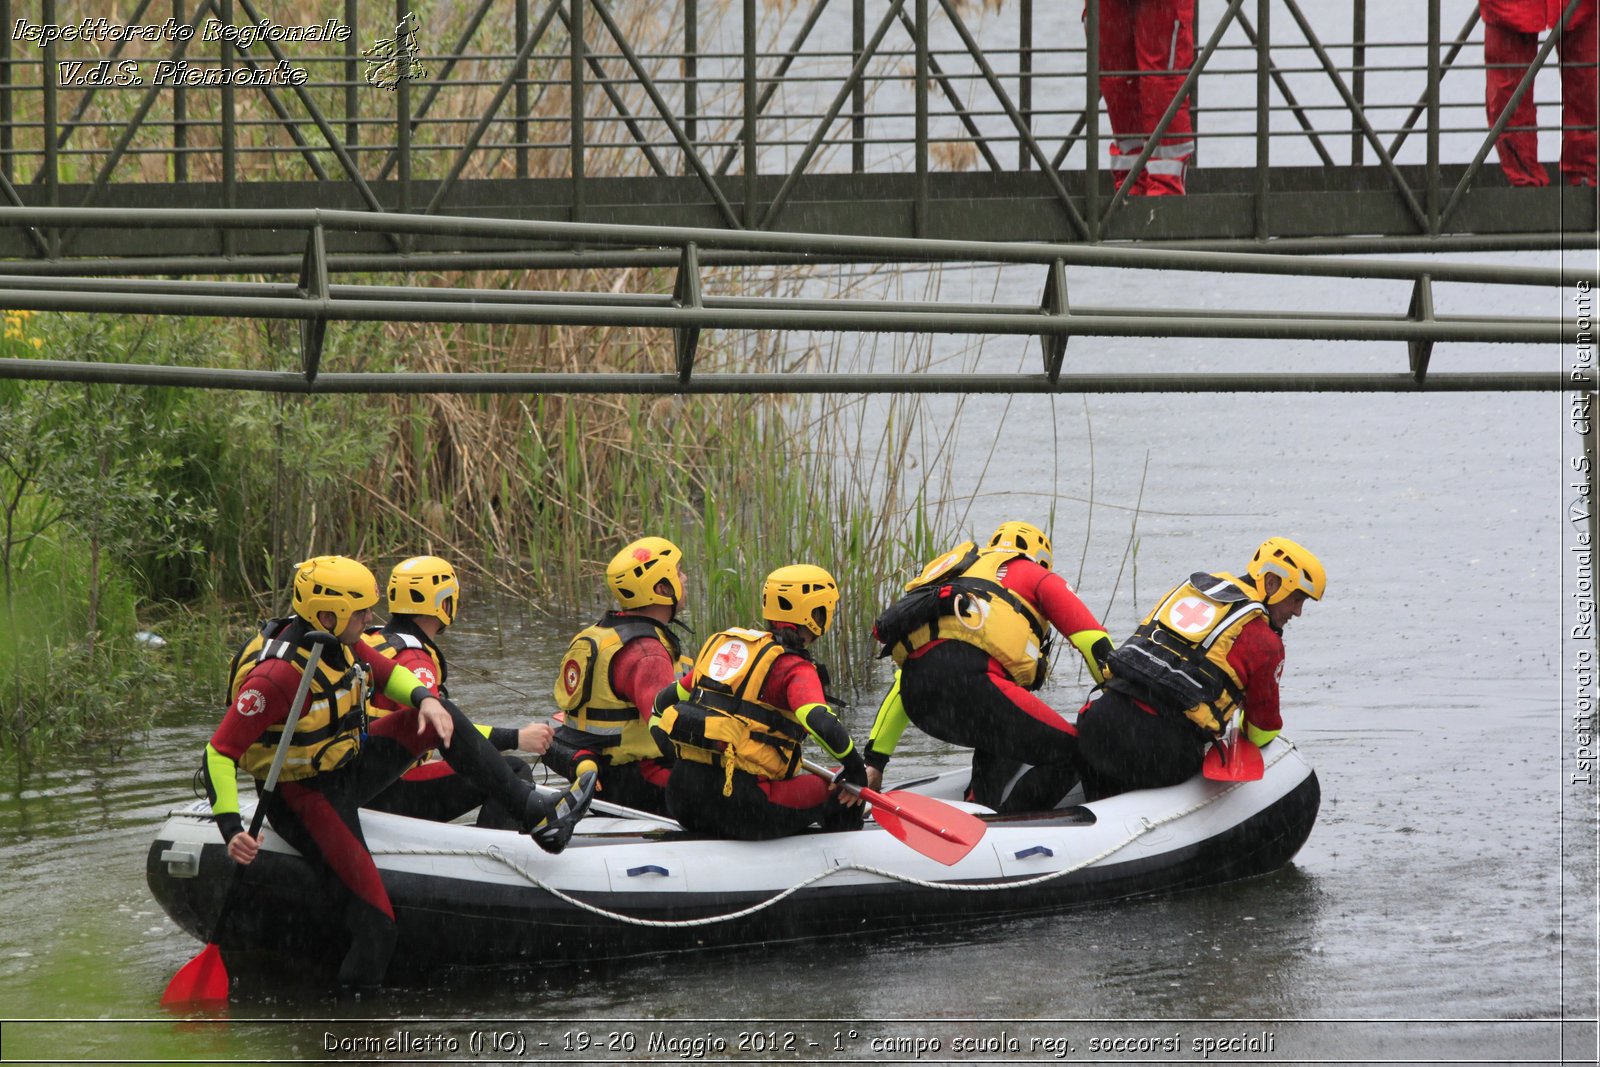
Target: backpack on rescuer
(919,608)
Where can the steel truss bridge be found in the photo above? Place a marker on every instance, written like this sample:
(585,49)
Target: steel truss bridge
(893,118)
(569,135)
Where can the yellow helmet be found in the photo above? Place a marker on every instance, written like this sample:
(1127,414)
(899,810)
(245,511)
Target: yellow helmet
(796,593)
(1298,568)
(336,584)
(633,574)
(425,585)
(1022,537)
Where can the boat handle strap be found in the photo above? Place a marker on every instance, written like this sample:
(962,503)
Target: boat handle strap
(649,868)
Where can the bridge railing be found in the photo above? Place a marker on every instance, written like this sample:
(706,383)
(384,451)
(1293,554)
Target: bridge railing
(317,303)
(743,102)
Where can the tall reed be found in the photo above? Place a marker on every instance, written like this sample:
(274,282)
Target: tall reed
(534,493)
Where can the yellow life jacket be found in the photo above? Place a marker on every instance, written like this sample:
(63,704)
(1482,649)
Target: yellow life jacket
(329,731)
(967,603)
(1177,660)
(583,687)
(724,722)
(392,640)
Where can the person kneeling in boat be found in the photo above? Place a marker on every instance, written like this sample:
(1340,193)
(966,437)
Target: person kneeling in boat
(611,674)
(972,638)
(1211,648)
(424,597)
(735,723)
(335,761)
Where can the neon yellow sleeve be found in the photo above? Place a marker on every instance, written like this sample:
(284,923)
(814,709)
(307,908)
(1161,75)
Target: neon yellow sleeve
(1085,641)
(221,777)
(402,685)
(1259,736)
(890,723)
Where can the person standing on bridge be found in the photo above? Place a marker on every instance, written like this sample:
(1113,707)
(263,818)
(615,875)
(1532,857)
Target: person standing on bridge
(1511,31)
(424,597)
(972,639)
(1212,648)
(1149,45)
(336,761)
(611,674)
(736,722)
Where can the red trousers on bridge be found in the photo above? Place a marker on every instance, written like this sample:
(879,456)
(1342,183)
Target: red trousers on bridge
(1511,31)
(1150,44)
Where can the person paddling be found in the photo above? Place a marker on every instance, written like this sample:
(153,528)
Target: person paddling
(336,761)
(972,639)
(735,723)
(1212,648)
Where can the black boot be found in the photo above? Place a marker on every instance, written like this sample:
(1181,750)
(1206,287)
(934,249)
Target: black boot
(494,815)
(552,820)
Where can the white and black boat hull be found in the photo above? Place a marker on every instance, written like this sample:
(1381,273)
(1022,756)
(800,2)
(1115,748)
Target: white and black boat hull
(469,897)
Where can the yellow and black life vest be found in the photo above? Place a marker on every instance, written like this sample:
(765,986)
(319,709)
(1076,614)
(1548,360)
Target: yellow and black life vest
(724,721)
(329,731)
(401,636)
(583,687)
(1177,660)
(958,597)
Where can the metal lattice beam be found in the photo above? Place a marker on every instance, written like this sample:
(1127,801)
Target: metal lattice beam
(313,301)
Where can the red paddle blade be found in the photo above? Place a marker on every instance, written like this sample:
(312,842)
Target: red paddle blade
(202,982)
(1233,759)
(935,829)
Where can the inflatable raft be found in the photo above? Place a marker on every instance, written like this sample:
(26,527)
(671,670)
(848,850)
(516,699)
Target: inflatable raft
(641,886)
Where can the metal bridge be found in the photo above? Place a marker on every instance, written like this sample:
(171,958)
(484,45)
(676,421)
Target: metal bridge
(576,135)
(940,119)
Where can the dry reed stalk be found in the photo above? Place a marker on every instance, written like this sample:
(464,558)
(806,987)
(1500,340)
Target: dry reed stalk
(548,487)
(953,155)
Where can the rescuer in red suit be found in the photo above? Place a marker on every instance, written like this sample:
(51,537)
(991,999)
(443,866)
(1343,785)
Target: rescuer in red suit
(335,760)
(1151,44)
(1210,652)
(424,598)
(1511,30)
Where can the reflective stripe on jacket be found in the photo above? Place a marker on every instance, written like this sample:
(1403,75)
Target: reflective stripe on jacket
(1177,660)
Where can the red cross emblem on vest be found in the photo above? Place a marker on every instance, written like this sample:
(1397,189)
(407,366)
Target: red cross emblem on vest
(727,660)
(1192,615)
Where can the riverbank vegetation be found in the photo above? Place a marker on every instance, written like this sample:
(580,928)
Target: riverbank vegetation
(182,512)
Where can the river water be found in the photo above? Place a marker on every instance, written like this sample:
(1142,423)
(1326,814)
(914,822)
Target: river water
(1443,909)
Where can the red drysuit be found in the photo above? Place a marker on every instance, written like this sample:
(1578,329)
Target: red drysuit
(1511,31)
(1146,49)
